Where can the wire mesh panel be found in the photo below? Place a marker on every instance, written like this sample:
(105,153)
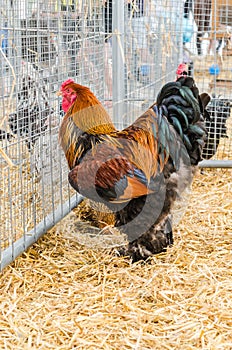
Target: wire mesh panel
(150,39)
(153,47)
(124,50)
(208,51)
(42,44)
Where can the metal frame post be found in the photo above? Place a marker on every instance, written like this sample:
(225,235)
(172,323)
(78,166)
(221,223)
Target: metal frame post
(118,67)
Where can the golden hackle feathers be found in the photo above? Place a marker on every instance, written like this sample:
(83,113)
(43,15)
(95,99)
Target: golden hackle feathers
(93,119)
(88,113)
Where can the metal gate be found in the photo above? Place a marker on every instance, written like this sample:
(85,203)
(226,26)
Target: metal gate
(124,51)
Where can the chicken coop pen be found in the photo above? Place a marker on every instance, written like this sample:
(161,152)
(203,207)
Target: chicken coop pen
(124,51)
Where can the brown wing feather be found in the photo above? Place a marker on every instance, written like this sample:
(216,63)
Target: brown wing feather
(134,189)
(106,169)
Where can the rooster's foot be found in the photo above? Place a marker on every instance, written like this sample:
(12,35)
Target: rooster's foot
(147,245)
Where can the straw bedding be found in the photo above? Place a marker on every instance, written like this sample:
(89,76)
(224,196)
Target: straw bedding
(61,294)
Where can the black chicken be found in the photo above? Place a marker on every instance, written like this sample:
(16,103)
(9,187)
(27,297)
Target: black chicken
(218,112)
(33,109)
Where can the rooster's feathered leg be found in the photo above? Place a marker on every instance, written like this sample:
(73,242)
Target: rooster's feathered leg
(155,241)
(154,219)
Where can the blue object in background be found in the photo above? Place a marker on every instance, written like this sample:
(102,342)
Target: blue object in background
(4,39)
(188,29)
(214,69)
(145,70)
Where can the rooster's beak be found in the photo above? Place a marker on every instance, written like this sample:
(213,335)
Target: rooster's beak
(58,93)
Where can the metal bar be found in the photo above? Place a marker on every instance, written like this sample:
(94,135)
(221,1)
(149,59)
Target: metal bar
(118,69)
(23,243)
(216,164)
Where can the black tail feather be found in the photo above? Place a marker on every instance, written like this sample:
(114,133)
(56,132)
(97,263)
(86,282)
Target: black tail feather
(186,112)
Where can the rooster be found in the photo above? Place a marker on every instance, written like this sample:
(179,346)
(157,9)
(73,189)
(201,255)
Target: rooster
(139,172)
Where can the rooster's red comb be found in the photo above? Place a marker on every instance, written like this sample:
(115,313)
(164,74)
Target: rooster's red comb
(66,82)
(182,68)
